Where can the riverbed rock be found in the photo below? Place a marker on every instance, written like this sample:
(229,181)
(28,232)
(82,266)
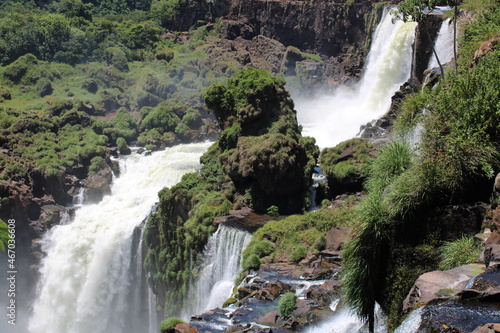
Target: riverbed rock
(484,287)
(272,289)
(488,328)
(50,216)
(309,311)
(325,293)
(457,318)
(336,237)
(97,186)
(439,284)
(185,328)
(492,249)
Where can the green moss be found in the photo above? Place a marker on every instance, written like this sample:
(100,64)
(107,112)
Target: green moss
(169,324)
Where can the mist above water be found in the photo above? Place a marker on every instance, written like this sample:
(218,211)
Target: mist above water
(338,116)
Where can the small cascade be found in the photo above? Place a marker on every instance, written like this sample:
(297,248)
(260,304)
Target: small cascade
(220,267)
(411,323)
(78,199)
(443,45)
(331,119)
(345,321)
(91,279)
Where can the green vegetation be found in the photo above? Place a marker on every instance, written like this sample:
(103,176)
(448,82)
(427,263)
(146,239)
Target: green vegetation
(458,151)
(168,325)
(287,304)
(253,140)
(347,165)
(4,235)
(261,148)
(280,237)
(460,252)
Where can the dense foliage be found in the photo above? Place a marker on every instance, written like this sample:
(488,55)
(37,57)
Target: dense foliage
(458,152)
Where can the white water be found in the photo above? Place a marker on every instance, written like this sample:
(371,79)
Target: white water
(443,45)
(411,323)
(337,117)
(345,321)
(221,265)
(87,279)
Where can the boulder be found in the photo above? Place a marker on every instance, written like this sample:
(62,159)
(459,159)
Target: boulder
(97,186)
(485,48)
(336,237)
(325,293)
(269,319)
(185,328)
(484,287)
(50,216)
(272,289)
(439,284)
(456,317)
(492,249)
(488,328)
(496,219)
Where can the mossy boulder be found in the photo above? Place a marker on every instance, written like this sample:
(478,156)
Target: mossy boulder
(346,166)
(273,166)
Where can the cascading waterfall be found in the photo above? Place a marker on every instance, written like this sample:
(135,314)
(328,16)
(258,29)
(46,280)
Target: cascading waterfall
(345,321)
(220,267)
(443,45)
(338,117)
(89,276)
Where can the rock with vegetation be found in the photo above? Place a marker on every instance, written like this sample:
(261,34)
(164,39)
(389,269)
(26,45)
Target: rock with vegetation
(252,108)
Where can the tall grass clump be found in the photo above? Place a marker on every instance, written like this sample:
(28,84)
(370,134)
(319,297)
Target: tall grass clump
(460,252)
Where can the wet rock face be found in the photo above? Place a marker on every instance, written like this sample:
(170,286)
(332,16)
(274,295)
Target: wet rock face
(98,185)
(457,318)
(317,27)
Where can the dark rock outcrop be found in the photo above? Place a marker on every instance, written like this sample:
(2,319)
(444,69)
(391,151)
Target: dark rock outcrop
(97,185)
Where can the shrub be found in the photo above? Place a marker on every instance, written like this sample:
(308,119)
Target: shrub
(273,211)
(168,325)
(299,252)
(44,87)
(251,262)
(460,252)
(165,54)
(122,146)
(96,164)
(287,304)
(117,58)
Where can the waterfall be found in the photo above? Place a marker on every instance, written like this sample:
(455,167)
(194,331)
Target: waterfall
(90,276)
(443,44)
(337,117)
(345,321)
(220,267)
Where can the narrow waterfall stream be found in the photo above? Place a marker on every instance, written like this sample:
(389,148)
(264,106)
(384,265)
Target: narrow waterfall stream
(443,44)
(220,267)
(331,119)
(91,277)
